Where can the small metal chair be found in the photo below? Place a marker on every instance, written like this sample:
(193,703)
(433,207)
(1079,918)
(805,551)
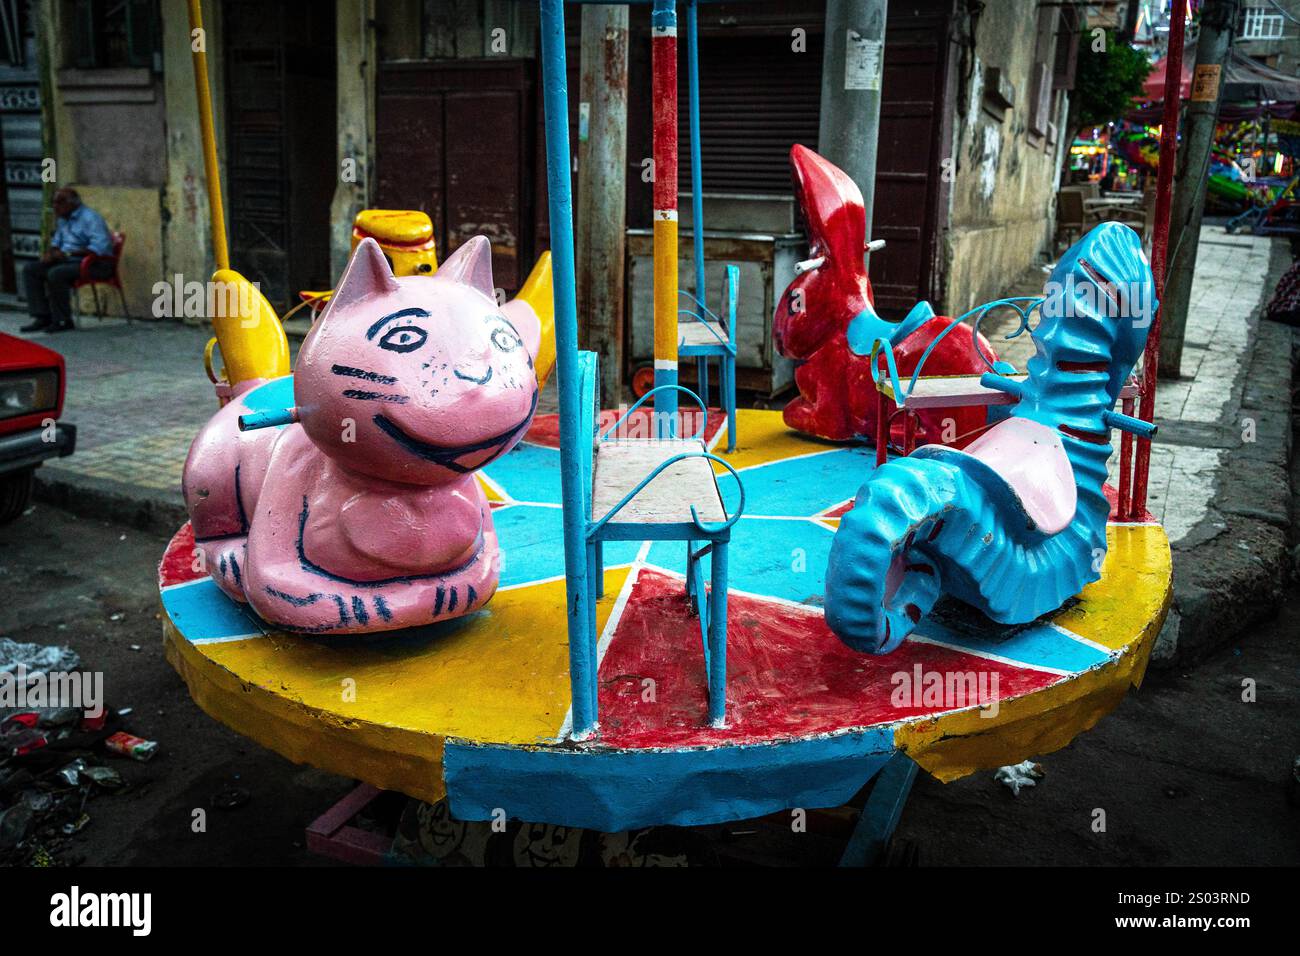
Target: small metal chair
(707,336)
(657,489)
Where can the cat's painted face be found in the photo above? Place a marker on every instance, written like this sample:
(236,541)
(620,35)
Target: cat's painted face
(417,379)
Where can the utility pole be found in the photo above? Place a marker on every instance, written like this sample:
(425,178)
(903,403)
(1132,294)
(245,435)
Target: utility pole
(1218,20)
(602,184)
(853,66)
(1129,29)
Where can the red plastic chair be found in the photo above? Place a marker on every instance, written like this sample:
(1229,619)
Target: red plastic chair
(113,279)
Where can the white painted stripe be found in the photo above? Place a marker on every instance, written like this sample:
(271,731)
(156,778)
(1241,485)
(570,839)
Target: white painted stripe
(607,635)
(1100,648)
(997,658)
(184,584)
(665,365)
(663,31)
(808,609)
(780,461)
(228,640)
(666,215)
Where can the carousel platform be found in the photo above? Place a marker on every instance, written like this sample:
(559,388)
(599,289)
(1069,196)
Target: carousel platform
(477,709)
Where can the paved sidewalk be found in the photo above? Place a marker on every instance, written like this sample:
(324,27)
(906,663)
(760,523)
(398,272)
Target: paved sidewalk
(137,393)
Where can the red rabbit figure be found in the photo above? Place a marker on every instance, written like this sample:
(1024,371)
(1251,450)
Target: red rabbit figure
(837,399)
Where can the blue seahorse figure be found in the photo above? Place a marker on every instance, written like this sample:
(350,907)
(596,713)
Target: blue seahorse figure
(1015,524)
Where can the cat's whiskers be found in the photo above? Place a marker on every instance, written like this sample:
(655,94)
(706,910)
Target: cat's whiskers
(375,396)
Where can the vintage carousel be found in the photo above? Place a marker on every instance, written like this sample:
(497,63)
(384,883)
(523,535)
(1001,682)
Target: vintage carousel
(396,570)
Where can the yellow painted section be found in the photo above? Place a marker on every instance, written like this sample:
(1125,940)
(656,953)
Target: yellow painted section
(403,226)
(764,437)
(1133,586)
(665,289)
(489,490)
(539,292)
(1124,611)
(501,676)
(252,340)
(405,236)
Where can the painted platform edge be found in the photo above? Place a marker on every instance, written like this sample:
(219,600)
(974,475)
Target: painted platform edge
(619,790)
(955,745)
(391,758)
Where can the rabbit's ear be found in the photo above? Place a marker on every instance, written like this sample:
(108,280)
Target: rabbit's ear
(832,208)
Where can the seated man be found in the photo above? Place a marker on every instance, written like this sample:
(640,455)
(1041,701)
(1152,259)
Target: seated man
(48,282)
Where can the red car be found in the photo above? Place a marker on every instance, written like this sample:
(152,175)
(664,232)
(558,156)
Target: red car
(31,399)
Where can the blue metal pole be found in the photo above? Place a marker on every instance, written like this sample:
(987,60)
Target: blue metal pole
(555,100)
(697,185)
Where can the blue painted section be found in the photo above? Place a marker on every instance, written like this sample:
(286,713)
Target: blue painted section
(1038,645)
(665,417)
(664,13)
(866,327)
(203,612)
(529,473)
(781,559)
(618,790)
(941,521)
(801,485)
(559,166)
(275,395)
(529,537)
(881,814)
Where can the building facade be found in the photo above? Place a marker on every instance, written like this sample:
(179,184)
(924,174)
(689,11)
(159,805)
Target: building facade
(326,107)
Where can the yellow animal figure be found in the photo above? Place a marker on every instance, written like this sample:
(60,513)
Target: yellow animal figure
(252,340)
(538,292)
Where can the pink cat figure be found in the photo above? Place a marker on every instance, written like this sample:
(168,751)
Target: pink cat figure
(364,514)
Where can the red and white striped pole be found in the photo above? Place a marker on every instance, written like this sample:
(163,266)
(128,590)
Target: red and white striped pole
(663,60)
(1159,250)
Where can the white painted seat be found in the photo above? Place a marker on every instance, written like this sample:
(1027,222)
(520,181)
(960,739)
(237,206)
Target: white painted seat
(621,465)
(960,391)
(692,332)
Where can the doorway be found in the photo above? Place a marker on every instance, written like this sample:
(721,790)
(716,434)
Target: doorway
(281,71)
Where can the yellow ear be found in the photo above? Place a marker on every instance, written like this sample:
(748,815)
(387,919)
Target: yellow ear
(537,291)
(253,343)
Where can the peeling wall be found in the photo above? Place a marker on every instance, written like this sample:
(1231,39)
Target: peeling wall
(356,57)
(1002,202)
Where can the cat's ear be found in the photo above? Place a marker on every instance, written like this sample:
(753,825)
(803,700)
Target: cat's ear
(471,265)
(366,275)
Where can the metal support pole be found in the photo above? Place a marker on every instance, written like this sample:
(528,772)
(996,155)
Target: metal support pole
(211,171)
(852,69)
(663,60)
(1217,23)
(1159,249)
(697,175)
(602,188)
(555,99)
